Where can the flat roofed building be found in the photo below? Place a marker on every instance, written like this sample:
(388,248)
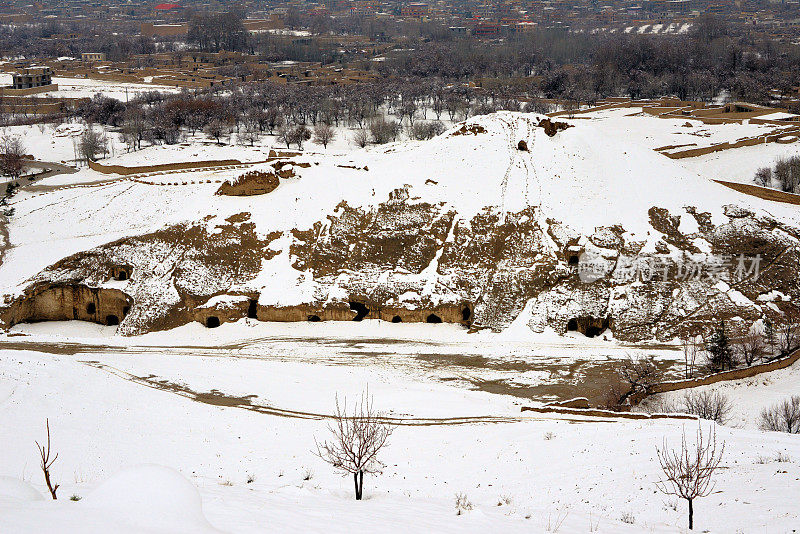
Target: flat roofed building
(32,77)
(93,56)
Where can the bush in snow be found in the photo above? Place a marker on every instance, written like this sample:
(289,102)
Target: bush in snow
(357,439)
(783,417)
(711,405)
(383,131)
(422,131)
(360,138)
(463,504)
(764,176)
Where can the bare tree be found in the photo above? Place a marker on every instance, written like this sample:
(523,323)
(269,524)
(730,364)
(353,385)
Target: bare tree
(284,134)
(787,330)
(691,347)
(783,417)
(751,346)
(357,440)
(250,134)
(216,129)
(639,373)
(323,134)
(298,135)
(47,462)
(12,156)
(91,144)
(688,472)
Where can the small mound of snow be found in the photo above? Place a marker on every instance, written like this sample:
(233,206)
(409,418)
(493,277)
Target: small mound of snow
(152,495)
(20,490)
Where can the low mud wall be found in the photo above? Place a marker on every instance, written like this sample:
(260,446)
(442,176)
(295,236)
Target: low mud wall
(593,412)
(763,192)
(725,376)
(68,303)
(120,169)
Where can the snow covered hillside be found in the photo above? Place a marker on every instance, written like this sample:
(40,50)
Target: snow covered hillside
(485,225)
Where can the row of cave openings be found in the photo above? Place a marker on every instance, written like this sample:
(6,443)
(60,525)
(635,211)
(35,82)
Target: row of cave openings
(360,308)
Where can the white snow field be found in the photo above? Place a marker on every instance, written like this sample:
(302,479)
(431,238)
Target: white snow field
(194,430)
(586,472)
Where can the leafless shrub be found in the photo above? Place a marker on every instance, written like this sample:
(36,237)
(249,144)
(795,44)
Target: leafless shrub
(779,457)
(357,440)
(554,523)
(548,436)
(711,405)
(688,471)
(463,504)
(658,404)
(505,500)
(308,474)
(361,138)
(615,395)
(628,517)
(75,497)
(782,417)
(383,131)
(426,130)
(764,176)
(47,462)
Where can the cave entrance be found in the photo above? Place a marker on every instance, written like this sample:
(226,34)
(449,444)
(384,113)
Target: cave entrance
(122,275)
(91,309)
(588,326)
(466,313)
(112,320)
(433,319)
(397,319)
(360,309)
(593,331)
(573,259)
(212,322)
(314,319)
(252,309)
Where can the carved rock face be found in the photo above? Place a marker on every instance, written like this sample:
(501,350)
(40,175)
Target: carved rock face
(407,261)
